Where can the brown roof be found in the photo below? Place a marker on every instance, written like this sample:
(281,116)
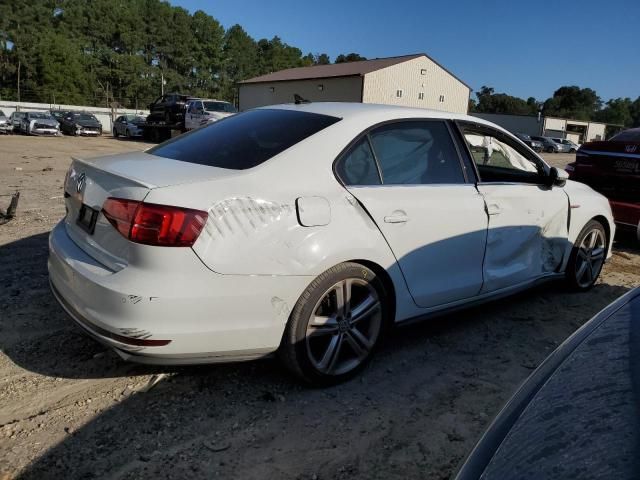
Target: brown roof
(347,69)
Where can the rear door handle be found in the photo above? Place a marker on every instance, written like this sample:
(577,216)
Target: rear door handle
(396,218)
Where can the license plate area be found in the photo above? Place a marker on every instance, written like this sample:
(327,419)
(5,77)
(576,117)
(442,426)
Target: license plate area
(87,219)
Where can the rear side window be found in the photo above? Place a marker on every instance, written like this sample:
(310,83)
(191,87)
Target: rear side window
(245,140)
(358,166)
(632,135)
(414,153)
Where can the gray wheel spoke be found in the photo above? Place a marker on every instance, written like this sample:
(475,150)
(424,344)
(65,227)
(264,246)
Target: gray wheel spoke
(597,253)
(331,354)
(361,351)
(365,309)
(581,270)
(582,253)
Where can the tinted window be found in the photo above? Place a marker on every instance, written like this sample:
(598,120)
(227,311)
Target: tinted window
(219,107)
(358,167)
(244,140)
(416,153)
(627,136)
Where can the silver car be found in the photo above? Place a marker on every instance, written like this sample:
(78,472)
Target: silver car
(39,123)
(129,125)
(15,119)
(5,124)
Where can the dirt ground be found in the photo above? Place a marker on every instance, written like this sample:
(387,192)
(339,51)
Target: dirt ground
(71,409)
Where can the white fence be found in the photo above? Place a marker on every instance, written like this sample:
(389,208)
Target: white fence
(104,115)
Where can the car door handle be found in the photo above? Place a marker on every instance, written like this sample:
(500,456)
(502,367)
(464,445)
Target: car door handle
(396,218)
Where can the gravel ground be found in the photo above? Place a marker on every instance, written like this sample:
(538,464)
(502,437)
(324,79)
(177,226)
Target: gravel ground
(71,409)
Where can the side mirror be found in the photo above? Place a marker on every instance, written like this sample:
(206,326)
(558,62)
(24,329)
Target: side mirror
(557,177)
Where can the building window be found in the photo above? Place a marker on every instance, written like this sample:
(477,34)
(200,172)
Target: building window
(399,93)
(441,99)
(272,89)
(423,71)
(321,87)
(421,96)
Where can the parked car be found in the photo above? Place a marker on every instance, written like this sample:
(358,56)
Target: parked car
(39,123)
(15,119)
(549,145)
(80,123)
(613,168)
(319,266)
(577,415)
(128,125)
(573,146)
(57,114)
(201,112)
(169,108)
(565,145)
(535,145)
(5,123)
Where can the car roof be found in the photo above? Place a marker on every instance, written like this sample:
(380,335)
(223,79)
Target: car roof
(346,110)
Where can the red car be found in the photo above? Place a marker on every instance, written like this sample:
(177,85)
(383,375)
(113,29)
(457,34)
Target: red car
(613,169)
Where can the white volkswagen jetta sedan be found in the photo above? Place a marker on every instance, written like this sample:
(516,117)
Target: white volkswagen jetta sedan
(309,230)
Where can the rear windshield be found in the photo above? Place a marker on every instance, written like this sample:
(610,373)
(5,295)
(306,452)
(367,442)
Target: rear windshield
(245,140)
(627,136)
(219,107)
(83,116)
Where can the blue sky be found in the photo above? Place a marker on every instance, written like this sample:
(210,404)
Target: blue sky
(520,48)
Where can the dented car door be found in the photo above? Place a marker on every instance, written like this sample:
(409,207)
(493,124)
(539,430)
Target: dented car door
(528,229)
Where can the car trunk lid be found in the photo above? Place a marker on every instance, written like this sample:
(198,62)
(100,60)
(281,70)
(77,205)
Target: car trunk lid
(129,176)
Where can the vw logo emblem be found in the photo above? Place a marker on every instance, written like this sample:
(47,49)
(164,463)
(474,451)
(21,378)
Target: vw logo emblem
(630,148)
(80,182)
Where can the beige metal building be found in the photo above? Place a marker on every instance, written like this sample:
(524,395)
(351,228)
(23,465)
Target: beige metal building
(576,130)
(410,80)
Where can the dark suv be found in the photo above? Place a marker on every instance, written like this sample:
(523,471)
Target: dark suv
(613,168)
(169,108)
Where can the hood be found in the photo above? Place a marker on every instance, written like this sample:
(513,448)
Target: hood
(45,121)
(87,123)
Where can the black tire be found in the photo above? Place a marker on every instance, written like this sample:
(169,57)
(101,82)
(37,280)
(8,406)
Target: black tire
(575,278)
(549,150)
(353,338)
(115,133)
(127,134)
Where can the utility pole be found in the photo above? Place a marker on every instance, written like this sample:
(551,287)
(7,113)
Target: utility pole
(19,65)
(162,84)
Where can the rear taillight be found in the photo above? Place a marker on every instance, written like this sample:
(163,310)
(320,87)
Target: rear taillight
(151,224)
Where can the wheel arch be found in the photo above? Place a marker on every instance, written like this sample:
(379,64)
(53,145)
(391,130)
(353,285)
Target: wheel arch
(386,281)
(607,229)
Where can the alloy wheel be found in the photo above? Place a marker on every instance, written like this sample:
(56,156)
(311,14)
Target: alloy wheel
(344,327)
(590,258)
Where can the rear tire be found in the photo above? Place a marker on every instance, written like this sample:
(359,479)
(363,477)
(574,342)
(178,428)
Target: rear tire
(587,257)
(336,326)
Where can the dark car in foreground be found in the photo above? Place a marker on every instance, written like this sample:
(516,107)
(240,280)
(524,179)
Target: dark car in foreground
(80,123)
(578,415)
(613,168)
(169,108)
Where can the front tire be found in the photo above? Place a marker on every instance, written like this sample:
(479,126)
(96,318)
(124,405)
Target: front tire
(336,325)
(587,257)
(115,133)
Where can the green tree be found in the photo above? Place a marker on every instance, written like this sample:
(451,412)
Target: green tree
(573,102)
(490,102)
(349,57)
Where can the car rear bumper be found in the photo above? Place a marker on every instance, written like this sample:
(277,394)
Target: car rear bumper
(201,317)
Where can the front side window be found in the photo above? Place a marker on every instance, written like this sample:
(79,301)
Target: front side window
(500,160)
(415,153)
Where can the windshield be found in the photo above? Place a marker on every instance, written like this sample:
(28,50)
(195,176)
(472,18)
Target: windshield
(627,136)
(83,116)
(219,107)
(2,114)
(245,140)
(40,115)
